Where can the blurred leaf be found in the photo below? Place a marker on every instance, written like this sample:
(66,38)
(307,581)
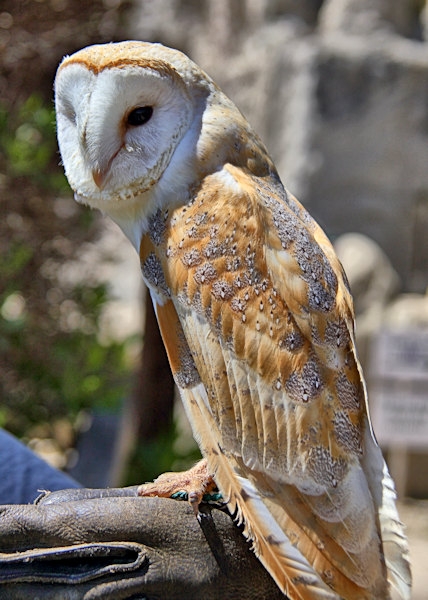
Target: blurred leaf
(14,260)
(28,141)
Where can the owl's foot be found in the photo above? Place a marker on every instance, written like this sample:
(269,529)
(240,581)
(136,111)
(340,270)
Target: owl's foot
(193,484)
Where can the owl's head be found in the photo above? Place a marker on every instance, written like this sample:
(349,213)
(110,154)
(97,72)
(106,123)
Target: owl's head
(122,111)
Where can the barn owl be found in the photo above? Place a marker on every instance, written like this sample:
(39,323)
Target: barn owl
(255,313)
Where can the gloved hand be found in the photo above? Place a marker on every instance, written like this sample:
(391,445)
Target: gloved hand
(110,544)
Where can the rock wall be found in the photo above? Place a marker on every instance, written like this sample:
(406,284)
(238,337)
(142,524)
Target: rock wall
(338,90)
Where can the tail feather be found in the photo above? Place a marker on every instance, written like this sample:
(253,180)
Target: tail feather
(394,541)
(293,573)
(353,575)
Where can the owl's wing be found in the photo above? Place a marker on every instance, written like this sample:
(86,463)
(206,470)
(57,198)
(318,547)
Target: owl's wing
(257,322)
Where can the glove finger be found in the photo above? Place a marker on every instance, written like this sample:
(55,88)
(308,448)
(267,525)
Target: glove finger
(72,564)
(72,495)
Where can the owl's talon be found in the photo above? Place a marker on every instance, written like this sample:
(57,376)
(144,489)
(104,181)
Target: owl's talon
(195,499)
(192,485)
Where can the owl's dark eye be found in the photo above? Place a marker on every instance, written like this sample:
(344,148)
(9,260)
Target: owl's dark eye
(140,115)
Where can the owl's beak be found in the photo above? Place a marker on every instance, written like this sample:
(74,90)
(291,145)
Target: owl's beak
(99,177)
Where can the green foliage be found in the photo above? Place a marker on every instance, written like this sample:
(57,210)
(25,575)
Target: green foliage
(14,260)
(27,139)
(58,373)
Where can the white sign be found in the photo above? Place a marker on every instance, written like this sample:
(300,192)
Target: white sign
(398,388)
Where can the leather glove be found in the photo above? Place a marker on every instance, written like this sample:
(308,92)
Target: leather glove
(110,544)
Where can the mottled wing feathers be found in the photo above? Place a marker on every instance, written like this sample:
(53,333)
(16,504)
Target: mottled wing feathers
(257,321)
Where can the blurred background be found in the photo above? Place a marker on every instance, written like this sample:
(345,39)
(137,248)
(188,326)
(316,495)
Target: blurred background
(338,91)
